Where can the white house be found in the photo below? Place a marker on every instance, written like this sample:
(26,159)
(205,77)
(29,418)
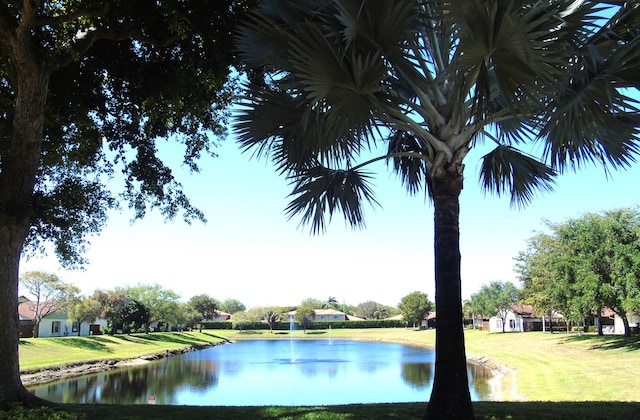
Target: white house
(521,318)
(56,324)
(323,315)
(618,325)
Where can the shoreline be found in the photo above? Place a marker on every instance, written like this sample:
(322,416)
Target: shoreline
(503,383)
(71,370)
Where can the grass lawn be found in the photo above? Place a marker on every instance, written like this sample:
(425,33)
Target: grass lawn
(561,376)
(36,353)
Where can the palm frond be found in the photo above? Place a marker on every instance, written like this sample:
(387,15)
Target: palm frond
(508,170)
(412,170)
(320,191)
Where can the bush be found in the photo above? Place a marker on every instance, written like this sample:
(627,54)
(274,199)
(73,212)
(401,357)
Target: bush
(20,413)
(217,325)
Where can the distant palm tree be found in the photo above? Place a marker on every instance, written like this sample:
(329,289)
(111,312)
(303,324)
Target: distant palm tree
(431,79)
(331,302)
(381,312)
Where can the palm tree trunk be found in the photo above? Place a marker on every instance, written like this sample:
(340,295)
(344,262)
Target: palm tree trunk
(450,397)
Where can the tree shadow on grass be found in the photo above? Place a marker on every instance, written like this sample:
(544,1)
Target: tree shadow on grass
(400,411)
(83,343)
(25,343)
(177,338)
(607,342)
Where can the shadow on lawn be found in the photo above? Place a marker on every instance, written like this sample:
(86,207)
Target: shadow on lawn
(87,343)
(175,337)
(399,411)
(608,342)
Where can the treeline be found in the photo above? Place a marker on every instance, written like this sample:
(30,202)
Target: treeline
(579,269)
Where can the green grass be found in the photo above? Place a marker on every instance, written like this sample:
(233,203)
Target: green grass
(38,353)
(562,376)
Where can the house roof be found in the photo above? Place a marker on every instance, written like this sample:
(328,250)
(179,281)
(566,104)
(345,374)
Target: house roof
(528,311)
(220,313)
(27,310)
(524,310)
(321,312)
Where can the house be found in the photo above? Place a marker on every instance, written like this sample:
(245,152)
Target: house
(612,323)
(324,315)
(521,318)
(220,316)
(429,322)
(56,324)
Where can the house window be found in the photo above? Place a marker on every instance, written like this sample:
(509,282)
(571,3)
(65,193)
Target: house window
(74,326)
(512,324)
(55,327)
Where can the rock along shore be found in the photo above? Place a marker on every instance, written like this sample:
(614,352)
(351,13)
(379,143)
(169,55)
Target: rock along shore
(70,370)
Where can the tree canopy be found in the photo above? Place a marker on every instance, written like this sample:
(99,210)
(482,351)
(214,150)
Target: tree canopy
(587,264)
(88,88)
(49,294)
(496,298)
(415,307)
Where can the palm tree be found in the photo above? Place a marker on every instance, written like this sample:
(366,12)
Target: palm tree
(428,80)
(381,312)
(331,302)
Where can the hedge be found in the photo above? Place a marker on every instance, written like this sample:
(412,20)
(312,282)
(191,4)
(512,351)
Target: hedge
(318,325)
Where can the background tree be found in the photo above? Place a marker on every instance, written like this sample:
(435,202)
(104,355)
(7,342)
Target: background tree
(546,278)
(431,80)
(49,294)
(305,316)
(273,315)
(121,310)
(86,89)
(331,303)
(381,312)
(231,306)
(312,303)
(85,310)
(163,304)
(205,305)
(366,309)
(597,254)
(498,298)
(187,316)
(415,307)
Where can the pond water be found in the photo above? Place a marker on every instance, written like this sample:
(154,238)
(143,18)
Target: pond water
(314,372)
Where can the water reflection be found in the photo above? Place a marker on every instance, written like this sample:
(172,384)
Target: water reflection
(266,373)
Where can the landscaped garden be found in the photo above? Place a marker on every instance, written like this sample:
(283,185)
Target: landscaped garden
(548,376)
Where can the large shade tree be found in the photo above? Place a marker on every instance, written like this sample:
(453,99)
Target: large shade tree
(87,87)
(427,81)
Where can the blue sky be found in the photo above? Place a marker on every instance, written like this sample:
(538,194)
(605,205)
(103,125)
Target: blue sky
(249,251)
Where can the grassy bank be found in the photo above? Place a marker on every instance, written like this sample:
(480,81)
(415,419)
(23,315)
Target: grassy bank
(586,376)
(37,353)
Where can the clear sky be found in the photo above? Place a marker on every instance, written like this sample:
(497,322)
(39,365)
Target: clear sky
(249,251)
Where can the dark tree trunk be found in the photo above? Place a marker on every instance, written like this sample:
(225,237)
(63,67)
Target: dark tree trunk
(450,397)
(20,159)
(625,322)
(600,333)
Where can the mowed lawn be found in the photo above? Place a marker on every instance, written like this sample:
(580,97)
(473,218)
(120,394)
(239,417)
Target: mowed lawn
(37,353)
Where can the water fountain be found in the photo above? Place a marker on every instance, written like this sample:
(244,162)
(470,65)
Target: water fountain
(291,329)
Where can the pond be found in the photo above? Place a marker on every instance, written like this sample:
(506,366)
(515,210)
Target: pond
(261,372)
